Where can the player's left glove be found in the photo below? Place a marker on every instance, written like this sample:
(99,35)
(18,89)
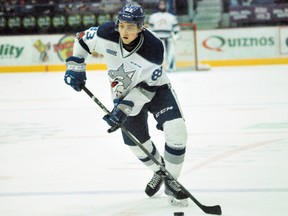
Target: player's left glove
(119,114)
(75,75)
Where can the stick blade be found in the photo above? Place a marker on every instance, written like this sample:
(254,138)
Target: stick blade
(216,210)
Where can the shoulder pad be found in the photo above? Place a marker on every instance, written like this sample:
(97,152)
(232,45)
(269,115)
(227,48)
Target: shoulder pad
(152,48)
(107,31)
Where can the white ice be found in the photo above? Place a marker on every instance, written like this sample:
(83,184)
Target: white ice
(56,158)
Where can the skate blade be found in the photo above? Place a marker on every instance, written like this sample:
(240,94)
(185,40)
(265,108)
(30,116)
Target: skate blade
(176,202)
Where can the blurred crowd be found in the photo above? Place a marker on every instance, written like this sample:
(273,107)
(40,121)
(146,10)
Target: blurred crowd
(53,16)
(58,16)
(233,3)
(24,7)
(16,7)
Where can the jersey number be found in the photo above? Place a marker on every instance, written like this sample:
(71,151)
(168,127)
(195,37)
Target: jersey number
(156,74)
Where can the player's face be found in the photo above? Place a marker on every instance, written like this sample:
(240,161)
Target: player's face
(162,5)
(128,31)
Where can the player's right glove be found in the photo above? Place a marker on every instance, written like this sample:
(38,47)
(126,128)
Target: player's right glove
(119,114)
(75,75)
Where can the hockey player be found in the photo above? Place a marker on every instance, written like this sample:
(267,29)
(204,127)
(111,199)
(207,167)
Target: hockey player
(138,85)
(166,26)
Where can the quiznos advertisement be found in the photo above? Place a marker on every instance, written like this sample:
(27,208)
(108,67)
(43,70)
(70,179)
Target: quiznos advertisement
(243,43)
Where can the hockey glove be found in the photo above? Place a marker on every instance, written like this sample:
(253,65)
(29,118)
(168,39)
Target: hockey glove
(119,114)
(75,75)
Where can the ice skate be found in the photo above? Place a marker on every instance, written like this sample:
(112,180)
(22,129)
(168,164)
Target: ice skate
(154,184)
(173,189)
(176,202)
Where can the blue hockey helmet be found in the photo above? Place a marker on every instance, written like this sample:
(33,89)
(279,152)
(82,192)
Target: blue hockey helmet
(131,13)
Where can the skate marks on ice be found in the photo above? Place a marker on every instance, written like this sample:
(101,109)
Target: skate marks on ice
(54,147)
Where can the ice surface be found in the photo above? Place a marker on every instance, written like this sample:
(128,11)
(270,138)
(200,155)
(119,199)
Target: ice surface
(56,158)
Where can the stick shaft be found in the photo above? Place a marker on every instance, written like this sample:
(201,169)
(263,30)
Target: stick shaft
(206,209)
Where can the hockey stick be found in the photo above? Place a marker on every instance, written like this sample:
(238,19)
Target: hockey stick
(207,209)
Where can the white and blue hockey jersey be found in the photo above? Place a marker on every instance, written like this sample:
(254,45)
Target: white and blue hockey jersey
(135,75)
(164,24)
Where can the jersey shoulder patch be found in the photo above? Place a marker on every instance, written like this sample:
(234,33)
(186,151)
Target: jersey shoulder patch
(107,31)
(152,48)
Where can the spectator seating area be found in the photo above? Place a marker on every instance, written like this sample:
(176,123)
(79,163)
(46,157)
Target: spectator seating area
(58,16)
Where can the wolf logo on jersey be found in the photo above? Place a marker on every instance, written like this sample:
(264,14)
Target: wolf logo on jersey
(120,79)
